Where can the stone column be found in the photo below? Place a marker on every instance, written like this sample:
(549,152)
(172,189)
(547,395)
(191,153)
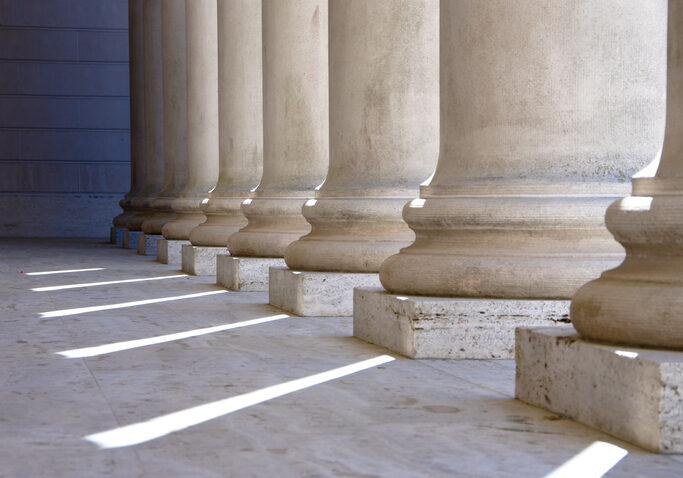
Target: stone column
(174,121)
(202,122)
(384,141)
(295,128)
(240,112)
(542,124)
(630,389)
(153,118)
(137,115)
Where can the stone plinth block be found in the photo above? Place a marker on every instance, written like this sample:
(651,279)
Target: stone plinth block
(436,327)
(316,294)
(200,260)
(116,235)
(130,239)
(170,251)
(245,273)
(631,393)
(147,244)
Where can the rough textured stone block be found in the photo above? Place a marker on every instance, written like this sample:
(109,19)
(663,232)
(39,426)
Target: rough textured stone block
(244,273)
(116,235)
(147,244)
(435,327)
(170,252)
(632,393)
(201,260)
(316,294)
(130,239)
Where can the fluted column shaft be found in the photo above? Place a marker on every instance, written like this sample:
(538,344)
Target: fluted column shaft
(641,301)
(137,112)
(384,133)
(542,123)
(175,114)
(295,126)
(153,114)
(240,105)
(202,118)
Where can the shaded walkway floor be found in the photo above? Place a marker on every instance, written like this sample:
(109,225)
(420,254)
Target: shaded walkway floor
(102,355)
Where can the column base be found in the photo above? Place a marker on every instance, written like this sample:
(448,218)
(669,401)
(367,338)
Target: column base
(245,273)
(631,393)
(116,235)
(147,244)
(200,260)
(316,294)
(170,251)
(130,239)
(449,328)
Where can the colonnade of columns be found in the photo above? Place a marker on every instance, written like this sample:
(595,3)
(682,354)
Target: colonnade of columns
(291,133)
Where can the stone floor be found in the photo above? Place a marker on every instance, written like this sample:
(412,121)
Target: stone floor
(402,418)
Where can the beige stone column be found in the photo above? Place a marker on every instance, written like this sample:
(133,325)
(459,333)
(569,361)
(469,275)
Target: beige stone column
(295,126)
(137,114)
(626,383)
(384,142)
(202,118)
(542,124)
(175,114)
(641,301)
(153,114)
(240,104)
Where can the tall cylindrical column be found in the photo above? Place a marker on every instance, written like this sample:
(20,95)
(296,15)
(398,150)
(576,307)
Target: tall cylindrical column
(137,112)
(384,133)
(542,124)
(295,126)
(175,114)
(202,118)
(240,111)
(641,301)
(154,115)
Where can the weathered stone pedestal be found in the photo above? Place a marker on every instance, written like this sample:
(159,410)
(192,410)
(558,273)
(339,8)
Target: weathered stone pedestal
(147,244)
(116,235)
(245,273)
(200,260)
(316,294)
(631,393)
(434,327)
(130,239)
(170,251)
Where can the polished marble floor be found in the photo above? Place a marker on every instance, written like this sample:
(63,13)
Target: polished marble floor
(126,367)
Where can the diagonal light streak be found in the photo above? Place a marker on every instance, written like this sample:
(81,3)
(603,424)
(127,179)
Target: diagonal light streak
(45,273)
(592,462)
(98,308)
(158,427)
(133,344)
(110,282)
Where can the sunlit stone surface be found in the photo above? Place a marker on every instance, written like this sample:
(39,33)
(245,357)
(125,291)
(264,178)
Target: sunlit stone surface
(135,364)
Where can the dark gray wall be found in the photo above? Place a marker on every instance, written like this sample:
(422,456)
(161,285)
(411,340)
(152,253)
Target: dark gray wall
(64,116)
